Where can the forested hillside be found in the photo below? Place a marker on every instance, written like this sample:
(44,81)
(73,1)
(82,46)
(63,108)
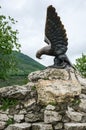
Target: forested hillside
(24,66)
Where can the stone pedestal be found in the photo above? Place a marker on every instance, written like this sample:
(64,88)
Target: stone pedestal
(53,100)
(55,85)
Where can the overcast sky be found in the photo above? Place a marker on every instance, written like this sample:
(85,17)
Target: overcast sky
(31,16)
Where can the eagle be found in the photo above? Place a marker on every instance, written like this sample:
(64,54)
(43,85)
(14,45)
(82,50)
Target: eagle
(56,39)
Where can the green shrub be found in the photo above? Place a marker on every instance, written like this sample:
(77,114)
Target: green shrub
(81,65)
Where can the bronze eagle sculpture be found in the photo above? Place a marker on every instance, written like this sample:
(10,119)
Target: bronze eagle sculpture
(56,38)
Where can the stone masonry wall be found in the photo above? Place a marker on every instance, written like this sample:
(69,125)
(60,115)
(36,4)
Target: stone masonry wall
(22,107)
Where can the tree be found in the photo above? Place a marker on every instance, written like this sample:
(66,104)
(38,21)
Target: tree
(81,65)
(8,42)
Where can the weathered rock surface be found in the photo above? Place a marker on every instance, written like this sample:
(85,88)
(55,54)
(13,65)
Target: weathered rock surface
(41,126)
(51,116)
(50,73)
(82,105)
(73,115)
(22,126)
(18,118)
(52,100)
(33,117)
(3,117)
(50,107)
(17,92)
(2,125)
(75,126)
(56,91)
(82,80)
(58,126)
(54,85)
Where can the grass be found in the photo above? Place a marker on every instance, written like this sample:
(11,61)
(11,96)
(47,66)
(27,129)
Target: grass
(6,103)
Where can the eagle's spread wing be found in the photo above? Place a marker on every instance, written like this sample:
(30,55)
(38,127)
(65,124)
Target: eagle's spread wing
(55,34)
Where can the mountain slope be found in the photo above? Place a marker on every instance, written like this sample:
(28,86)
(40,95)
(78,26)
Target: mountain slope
(19,76)
(25,64)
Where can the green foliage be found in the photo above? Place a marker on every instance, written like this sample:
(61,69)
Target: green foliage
(76,101)
(53,103)
(33,88)
(8,41)
(7,103)
(81,65)
(10,121)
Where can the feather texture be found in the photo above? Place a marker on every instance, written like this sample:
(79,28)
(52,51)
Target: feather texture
(55,31)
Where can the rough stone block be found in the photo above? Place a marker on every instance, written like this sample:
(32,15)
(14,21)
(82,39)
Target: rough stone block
(75,126)
(17,126)
(54,85)
(33,117)
(50,107)
(41,126)
(82,105)
(3,117)
(17,92)
(58,126)
(73,115)
(23,111)
(29,103)
(51,116)
(65,119)
(18,118)
(2,125)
